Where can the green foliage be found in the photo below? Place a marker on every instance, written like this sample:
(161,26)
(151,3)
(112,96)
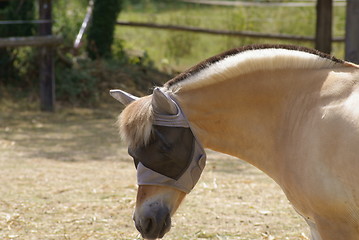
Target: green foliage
(76,85)
(180,44)
(86,82)
(128,58)
(83,81)
(17,10)
(68,16)
(14,61)
(100,33)
(180,50)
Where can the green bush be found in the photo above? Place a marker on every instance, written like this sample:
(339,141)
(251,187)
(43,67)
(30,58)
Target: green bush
(76,85)
(100,32)
(68,16)
(17,10)
(14,61)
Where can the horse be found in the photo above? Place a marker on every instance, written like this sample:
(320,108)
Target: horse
(290,111)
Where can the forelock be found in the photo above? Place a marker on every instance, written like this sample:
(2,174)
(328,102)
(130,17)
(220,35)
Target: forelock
(135,122)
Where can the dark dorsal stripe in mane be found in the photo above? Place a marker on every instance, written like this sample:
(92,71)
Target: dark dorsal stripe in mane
(206,63)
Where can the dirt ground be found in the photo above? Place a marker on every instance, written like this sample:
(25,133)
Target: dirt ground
(68,176)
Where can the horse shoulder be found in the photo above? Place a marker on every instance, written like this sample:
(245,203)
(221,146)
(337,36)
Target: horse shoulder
(320,173)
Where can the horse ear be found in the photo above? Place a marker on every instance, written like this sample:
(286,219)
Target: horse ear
(123,97)
(162,104)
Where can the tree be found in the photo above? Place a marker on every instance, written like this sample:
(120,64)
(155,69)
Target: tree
(101,30)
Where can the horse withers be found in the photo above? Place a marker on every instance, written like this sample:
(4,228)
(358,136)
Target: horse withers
(291,112)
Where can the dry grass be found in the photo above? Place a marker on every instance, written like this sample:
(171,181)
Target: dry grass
(67,176)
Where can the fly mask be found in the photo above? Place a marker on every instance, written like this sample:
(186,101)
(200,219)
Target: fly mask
(173,156)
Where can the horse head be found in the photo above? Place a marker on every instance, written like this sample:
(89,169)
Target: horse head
(168,158)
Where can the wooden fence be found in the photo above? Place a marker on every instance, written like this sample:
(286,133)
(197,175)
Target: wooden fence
(322,39)
(308,3)
(35,41)
(46,43)
(224,32)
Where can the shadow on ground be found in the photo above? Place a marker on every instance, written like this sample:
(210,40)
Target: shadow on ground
(69,135)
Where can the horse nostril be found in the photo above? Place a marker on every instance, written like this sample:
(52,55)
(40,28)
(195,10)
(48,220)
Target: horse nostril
(166,226)
(148,225)
(154,224)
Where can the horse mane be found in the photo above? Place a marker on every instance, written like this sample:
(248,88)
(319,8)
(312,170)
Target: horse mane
(250,58)
(135,122)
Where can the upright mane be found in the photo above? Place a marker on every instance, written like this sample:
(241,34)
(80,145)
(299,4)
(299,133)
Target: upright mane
(251,58)
(135,122)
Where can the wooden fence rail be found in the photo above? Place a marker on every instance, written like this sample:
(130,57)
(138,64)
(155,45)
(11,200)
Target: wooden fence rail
(16,22)
(225,32)
(33,41)
(262,3)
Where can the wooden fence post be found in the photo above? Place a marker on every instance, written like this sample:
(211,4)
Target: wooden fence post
(323,35)
(47,77)
(352,32)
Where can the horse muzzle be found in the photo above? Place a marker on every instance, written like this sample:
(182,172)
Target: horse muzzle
(154,222)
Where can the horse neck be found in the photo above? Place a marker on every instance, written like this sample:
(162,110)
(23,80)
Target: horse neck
(243,116)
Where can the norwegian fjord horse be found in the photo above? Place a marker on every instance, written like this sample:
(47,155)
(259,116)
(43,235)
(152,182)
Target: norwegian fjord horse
(289,111)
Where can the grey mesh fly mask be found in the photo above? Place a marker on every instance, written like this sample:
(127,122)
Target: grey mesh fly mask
(173,157)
